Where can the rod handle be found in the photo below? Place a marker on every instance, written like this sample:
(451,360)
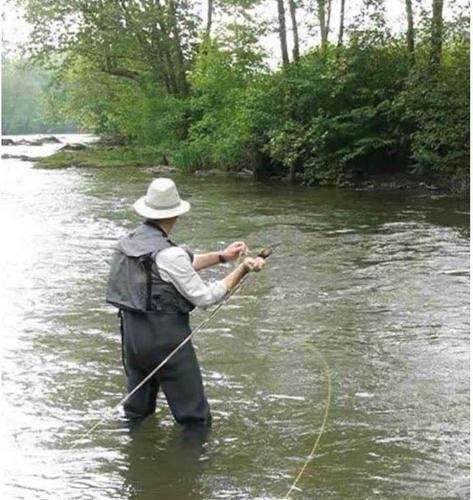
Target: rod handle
(265,252)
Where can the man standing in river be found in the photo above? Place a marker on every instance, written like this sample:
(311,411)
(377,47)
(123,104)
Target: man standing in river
(155,284)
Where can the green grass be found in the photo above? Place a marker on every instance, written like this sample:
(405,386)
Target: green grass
(100,157)
(190,157)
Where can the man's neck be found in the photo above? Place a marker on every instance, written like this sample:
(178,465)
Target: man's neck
(161,225)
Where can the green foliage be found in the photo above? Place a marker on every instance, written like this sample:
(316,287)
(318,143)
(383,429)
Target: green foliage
(104,157)
(24,96)
(141,71)
(332,111)
(127,40)
(436,105)
(106,105)
(220,81)
(191,156)
(97,102)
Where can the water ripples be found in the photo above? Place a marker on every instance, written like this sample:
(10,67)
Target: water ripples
(378,283)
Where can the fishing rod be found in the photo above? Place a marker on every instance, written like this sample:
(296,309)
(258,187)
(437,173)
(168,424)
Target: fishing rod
(263,253)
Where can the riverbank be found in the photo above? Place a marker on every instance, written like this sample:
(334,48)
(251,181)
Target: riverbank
(105,156)
(102,156)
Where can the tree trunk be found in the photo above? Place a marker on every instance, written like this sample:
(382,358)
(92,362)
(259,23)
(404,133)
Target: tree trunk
(410,30)
(282,32)
(327,25)
(292,173)
(210,5)
(161,54)
(295,32)
(176,35)
(437,32)
(342,23)
(322,22)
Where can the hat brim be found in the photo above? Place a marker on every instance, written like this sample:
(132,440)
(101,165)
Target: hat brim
(141,208)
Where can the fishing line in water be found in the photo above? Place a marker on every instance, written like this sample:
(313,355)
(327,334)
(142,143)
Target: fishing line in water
(108,414)
(111,411)
(322,425)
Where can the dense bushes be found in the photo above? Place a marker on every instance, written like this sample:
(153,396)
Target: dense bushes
(334,112)
(436,105)
(200,92)
(359,109)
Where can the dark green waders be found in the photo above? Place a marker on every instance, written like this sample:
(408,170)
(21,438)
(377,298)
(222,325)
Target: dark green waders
(147,339)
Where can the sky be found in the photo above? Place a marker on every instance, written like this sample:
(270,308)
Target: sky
(15,30)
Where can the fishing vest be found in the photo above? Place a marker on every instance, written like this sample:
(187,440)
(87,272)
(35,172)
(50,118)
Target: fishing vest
(134,283)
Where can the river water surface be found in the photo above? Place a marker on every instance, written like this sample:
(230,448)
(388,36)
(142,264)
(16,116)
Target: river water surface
(378,282)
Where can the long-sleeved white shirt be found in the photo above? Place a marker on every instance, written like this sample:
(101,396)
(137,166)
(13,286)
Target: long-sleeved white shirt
(175,266)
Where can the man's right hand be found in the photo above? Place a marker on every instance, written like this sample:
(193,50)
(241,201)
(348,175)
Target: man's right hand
(254,264)
(249,264)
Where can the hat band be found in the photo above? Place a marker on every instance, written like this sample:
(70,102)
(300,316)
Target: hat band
(169,207)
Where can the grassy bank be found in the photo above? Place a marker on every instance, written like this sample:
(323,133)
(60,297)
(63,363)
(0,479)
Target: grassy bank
(99,157)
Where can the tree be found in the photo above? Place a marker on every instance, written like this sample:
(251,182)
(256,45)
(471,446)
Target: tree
(175,32)
(327,26)
(437,33)
(324,9)
(209,17)
(410,30)
(342,22)
(149,72)
(282,32)
(124,38)
(295,31)
(25,89)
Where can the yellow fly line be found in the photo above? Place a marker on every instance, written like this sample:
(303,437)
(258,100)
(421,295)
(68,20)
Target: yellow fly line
(322,426)
(265,252)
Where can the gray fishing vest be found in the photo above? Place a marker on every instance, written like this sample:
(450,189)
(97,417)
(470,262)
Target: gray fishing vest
(134,282)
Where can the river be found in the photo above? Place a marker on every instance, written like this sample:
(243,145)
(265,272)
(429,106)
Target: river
(378,282)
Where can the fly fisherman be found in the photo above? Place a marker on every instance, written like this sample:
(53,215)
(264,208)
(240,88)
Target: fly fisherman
(155,284)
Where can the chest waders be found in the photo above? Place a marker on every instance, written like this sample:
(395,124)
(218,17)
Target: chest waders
(154,319)
(265,252)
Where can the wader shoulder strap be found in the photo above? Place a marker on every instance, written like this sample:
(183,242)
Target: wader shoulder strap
(147,262)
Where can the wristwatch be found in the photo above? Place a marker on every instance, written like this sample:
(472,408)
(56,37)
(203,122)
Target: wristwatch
(221,258)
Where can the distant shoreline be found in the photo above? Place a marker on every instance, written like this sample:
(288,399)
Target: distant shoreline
(83,153)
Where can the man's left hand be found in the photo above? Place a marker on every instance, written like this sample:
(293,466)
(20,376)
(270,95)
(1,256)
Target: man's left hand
(234,250)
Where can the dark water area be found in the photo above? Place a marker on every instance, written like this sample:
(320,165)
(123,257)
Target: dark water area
(377,282)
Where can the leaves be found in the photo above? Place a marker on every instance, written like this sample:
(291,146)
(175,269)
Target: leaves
(146,71)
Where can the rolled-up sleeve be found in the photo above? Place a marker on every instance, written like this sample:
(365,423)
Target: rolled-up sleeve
(174,266)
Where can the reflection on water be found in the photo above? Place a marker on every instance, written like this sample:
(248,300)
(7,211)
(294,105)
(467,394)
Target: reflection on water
(379,282)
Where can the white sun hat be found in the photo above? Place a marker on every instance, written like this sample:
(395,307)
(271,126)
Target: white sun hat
(161,201)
